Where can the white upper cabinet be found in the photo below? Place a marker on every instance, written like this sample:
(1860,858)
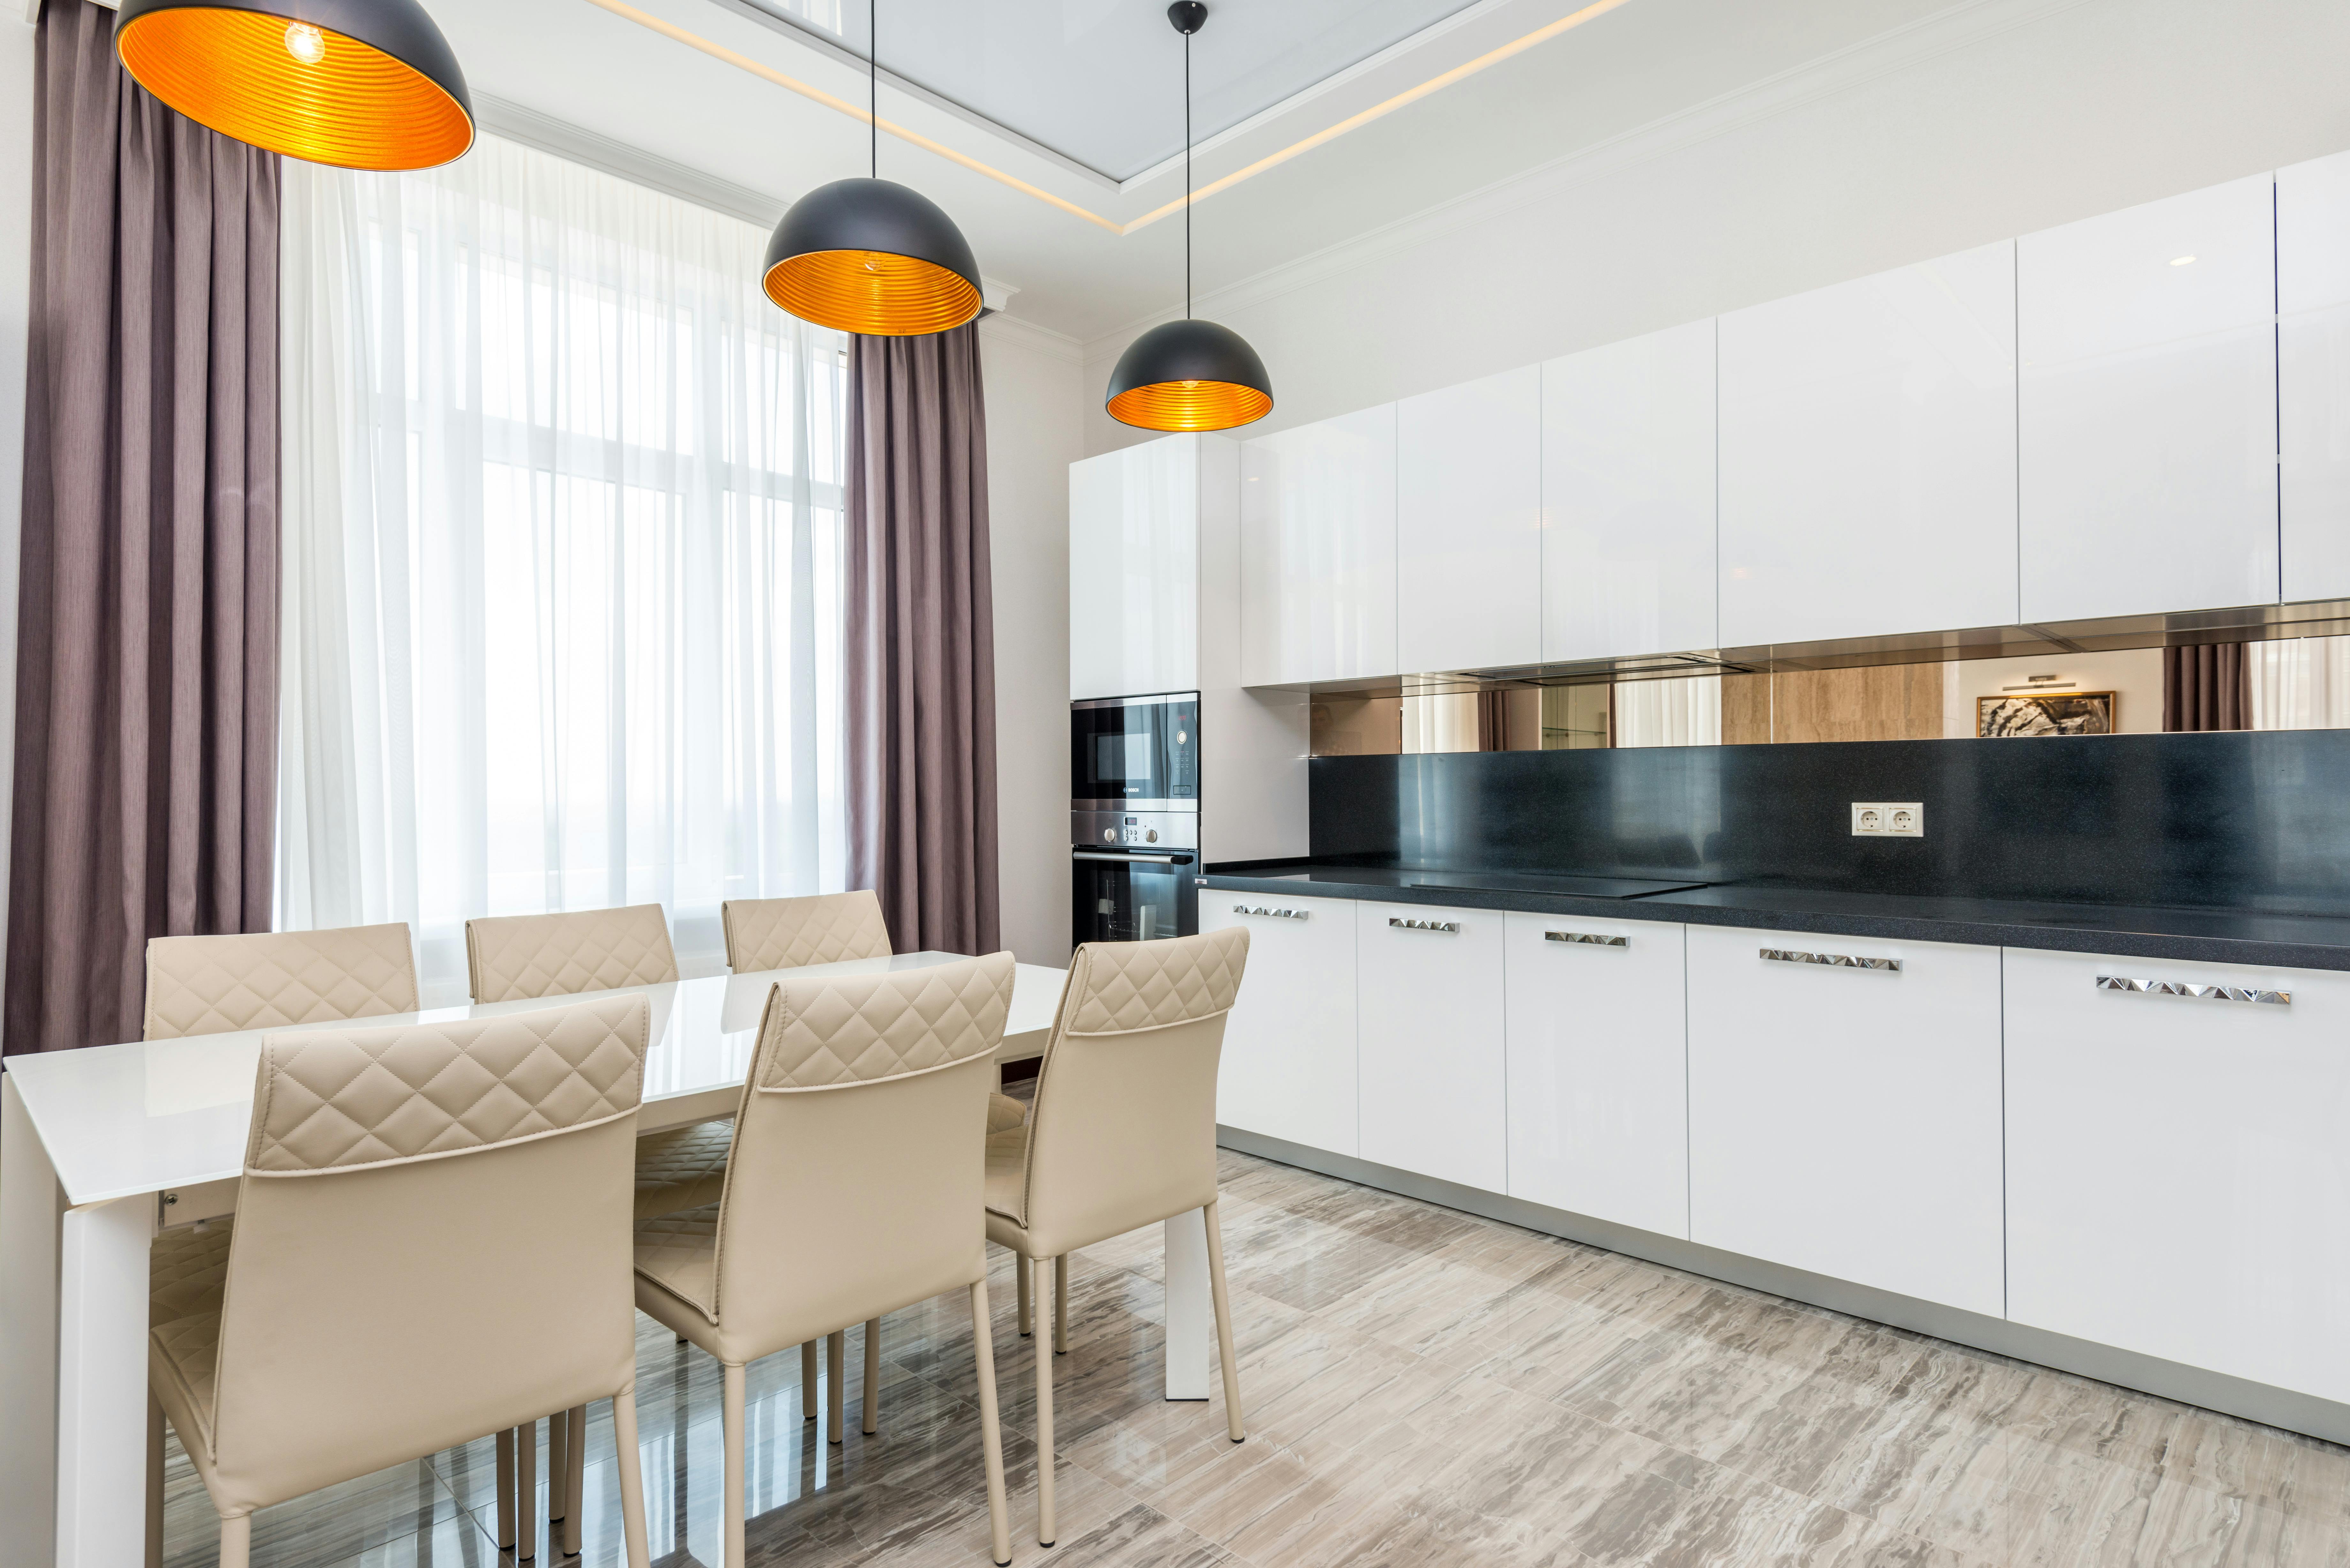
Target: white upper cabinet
(1318,551)
(1135,544)
(2147,408)
(1868,455)
(1627,498)
(1469,537)
(2314,376)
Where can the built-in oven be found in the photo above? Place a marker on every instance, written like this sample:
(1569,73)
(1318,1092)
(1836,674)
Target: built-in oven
(1137,880)
(1134,753)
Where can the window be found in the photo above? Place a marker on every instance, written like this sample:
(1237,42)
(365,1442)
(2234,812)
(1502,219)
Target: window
(562,557)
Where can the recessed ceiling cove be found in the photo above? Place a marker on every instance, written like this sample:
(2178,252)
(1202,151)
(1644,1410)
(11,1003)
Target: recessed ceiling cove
(1090,79)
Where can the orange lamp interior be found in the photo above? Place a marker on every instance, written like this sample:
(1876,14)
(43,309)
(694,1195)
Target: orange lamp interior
(349,104)
(1190,406)
(872,292)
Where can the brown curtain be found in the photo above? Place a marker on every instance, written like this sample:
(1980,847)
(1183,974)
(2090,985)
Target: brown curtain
(147,643)
(2207,687)
(920,635)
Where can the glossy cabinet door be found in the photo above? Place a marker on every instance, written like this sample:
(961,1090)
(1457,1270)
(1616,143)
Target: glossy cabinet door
(1846,1121)
(1288,1067)
(1869,456)
(1430,1027)
(1597,1053)
(2314,377)
(1318,551)
(2148,407)
(1627,498)
(2177,1177)
(1134,570)
(1468,525)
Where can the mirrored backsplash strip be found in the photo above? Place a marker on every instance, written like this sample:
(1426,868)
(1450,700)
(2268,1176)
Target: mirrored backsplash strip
(2244,820)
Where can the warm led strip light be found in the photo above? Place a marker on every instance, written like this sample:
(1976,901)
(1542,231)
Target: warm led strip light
(1352,122)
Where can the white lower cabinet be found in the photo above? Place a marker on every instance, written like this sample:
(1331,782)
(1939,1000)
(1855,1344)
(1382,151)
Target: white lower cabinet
(2177,1177)
(1288,1067)
(1844,1120)
(1598,1086)
(1431,1041)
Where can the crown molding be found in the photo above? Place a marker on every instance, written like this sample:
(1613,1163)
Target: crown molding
(1019,334)
(1959,27)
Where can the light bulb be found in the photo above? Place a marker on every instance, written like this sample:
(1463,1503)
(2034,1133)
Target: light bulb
(2182,261)
(305,43)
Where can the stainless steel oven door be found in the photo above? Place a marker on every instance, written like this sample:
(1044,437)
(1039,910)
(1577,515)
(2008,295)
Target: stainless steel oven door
(1130,895)
(1134,753)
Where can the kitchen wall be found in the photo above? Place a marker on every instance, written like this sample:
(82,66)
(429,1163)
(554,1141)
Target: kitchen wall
(2244,820)
(15,282)
(1995,120)
(1034,430)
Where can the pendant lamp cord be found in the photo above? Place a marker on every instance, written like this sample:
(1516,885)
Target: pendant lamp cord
(1187,176)
(873,79)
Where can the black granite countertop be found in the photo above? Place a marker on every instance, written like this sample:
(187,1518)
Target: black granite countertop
(2190,935)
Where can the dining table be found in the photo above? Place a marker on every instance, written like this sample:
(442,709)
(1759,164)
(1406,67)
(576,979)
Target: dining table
(104,1146)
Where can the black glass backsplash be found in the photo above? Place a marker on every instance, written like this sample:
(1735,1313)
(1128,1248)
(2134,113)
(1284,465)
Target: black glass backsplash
(2238,819)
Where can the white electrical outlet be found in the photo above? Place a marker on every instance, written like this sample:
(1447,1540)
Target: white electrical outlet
(1888,819)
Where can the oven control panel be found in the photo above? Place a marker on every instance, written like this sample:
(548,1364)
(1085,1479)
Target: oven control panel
(1140,830)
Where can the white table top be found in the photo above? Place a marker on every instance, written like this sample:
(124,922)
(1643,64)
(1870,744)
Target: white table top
(152,1115)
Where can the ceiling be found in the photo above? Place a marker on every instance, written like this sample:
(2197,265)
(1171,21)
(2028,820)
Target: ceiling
(677,79)
(1101,81)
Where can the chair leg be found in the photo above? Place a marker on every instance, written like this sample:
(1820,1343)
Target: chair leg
(154,1481)
(1061,1304)
(733,1459)
(575,1488)
(236,1542)
(1020,1275)
(807,1381)
(506,1490)
(990,1441)
(633,1480)
(872,1376)
(1223,1300)
(1047,1531)
(558,1475)
(835,1355)
(526,1491)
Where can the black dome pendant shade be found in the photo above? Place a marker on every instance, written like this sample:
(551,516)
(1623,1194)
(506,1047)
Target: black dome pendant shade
(1188,375)
(355,84)
(871,256)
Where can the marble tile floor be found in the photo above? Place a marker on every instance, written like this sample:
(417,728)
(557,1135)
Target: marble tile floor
(1423,1386)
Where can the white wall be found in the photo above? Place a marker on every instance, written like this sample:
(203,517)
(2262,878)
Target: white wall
(1966,130)
(1035,429)
(15,282)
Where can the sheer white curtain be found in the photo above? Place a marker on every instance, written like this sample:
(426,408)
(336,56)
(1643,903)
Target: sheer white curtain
(2301,683)
(562,557)
(1678,711)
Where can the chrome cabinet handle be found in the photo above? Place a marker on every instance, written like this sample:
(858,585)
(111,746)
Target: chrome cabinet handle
(1833,960)
(1276,914)
(1586,939)
(1403,925)
(1127,859)
(2207,992)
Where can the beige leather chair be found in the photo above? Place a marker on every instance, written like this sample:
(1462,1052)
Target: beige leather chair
(514,956)
(791,933)
(351,1317)
(1122,1135)
(212,985)
(886,1075)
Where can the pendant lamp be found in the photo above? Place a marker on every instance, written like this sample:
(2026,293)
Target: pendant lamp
(1188,375)
(870,255)
(357,84)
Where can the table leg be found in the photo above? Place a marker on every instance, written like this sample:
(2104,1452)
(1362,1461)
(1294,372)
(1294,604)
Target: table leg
(29,1340)
(1189,1312)
(102,1284)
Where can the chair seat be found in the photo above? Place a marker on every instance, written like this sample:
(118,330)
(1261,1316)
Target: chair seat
(679,1253)
(187,1276)
(684,1168)
(1003,1113)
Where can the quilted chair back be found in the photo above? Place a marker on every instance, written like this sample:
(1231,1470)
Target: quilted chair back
(433,1241)
(786,933)
(515,956)
(212,985)
(1123,1132)
(856,1184)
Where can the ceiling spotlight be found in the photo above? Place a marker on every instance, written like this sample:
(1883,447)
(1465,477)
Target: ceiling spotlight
(2182,261)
